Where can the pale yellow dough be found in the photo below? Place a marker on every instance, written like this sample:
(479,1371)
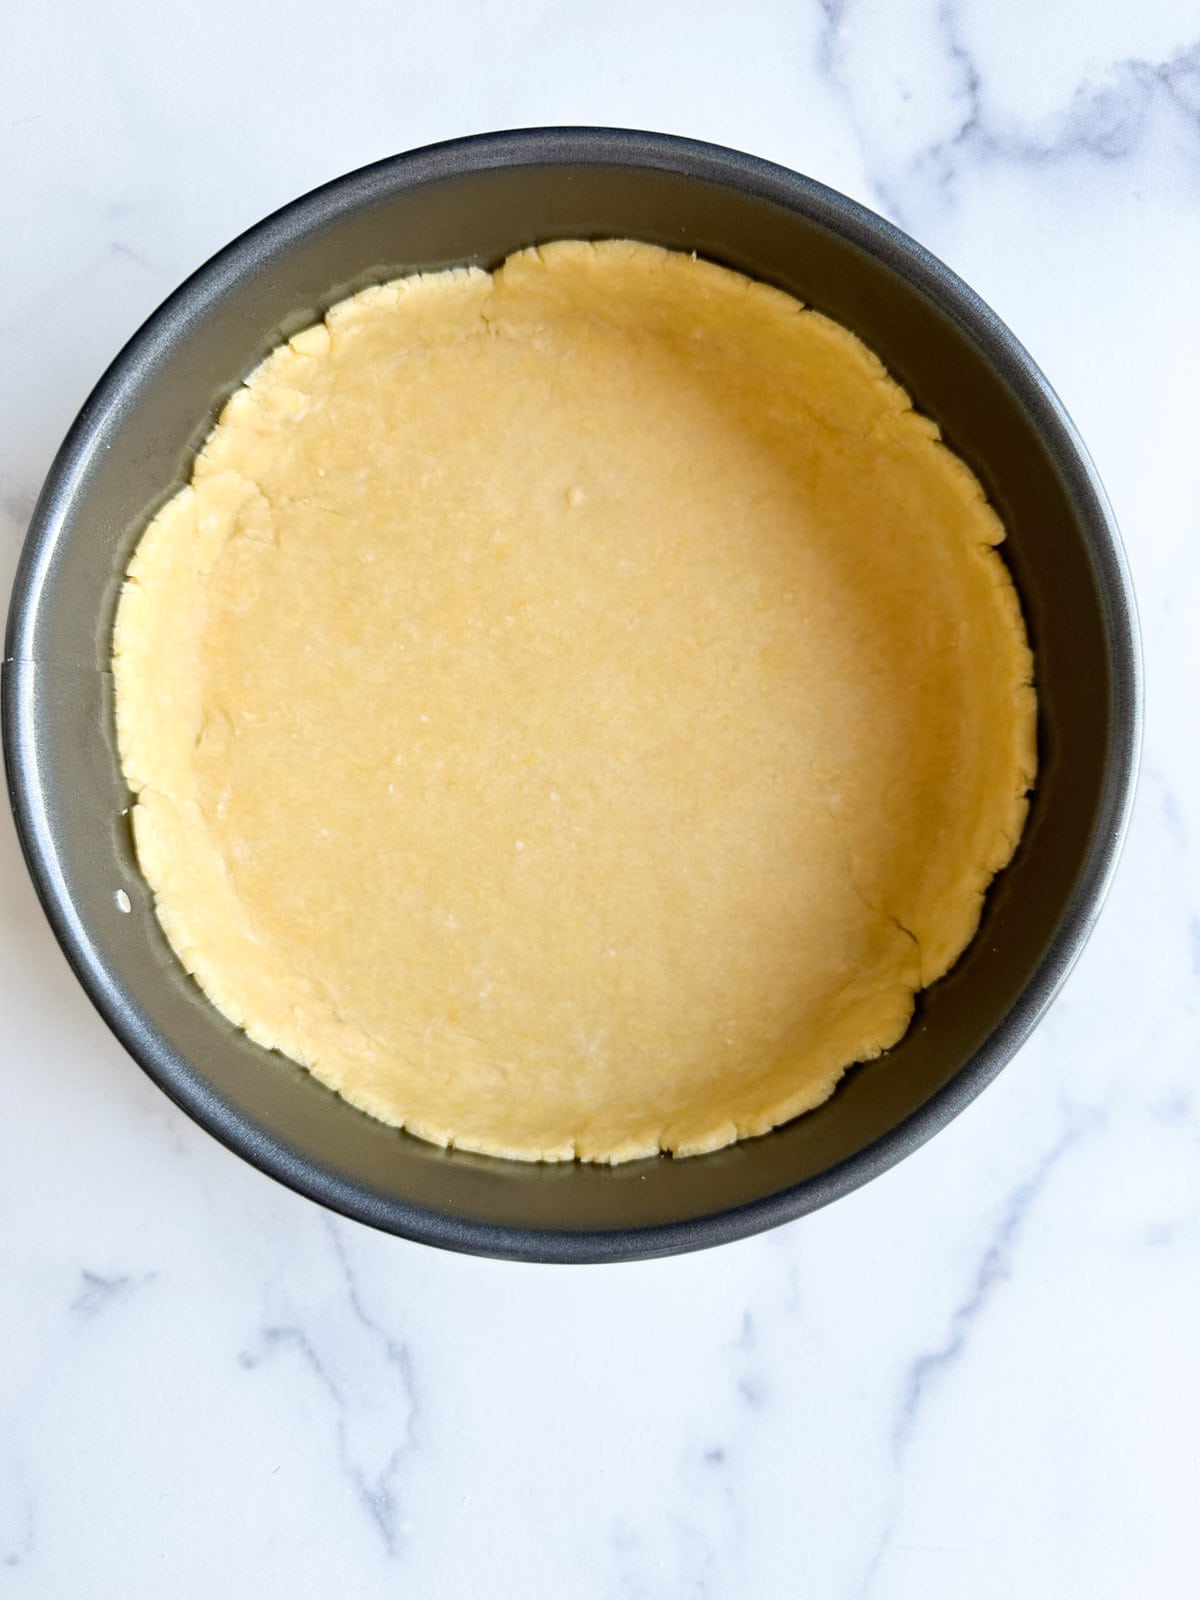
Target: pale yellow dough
(572,710)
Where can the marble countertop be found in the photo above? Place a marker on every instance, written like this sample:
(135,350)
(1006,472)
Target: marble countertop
(979,1375)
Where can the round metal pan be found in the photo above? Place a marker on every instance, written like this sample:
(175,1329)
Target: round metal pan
(474,201)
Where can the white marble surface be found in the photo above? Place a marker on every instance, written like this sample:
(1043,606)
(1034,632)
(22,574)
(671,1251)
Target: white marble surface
(977,1377)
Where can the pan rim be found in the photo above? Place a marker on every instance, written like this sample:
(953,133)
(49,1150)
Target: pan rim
(539,147)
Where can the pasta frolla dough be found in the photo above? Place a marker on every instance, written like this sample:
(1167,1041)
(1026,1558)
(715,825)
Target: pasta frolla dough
(572,710)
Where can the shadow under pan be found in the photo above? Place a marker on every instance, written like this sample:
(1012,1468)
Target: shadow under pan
(474,202)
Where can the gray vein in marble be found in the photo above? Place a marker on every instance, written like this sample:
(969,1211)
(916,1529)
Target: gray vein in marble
(641,1573)
(714,1468)
(1162,1235)
(625,1544)
(17,1528)
(834,12)
(100,1292)
(20,1540)
(1176,825)
(930,1370)
(374,1491)
(1177,1110)
(126,252)
(1174,1107)
(396,1355)
(705,1546)
(750,1385)
(368,1376)
(1104,120)
(995,1267)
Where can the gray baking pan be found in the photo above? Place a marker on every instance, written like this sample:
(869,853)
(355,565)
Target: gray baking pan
(474,201)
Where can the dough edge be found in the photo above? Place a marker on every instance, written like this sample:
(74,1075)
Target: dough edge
(196,899)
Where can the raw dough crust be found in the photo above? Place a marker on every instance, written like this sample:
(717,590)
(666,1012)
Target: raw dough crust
(572,710)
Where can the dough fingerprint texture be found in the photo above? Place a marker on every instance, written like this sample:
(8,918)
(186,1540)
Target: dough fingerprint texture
(572,710)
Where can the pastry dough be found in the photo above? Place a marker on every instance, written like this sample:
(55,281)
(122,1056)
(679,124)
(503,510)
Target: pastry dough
(572,710)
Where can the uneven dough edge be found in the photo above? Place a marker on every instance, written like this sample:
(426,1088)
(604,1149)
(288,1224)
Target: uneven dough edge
(160,721)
